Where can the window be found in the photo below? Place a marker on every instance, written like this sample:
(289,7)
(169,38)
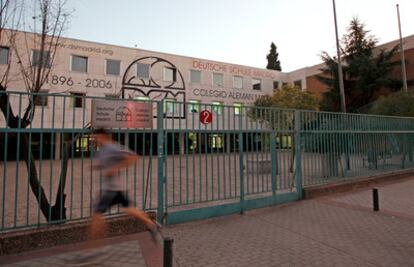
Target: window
(237,108)
(298,84)
(170,106)
(111,96)
(41,59)
(77,99)
(284,84)
(113,67)
(217,107)
(275,85)
(143,70)
(193,106)
(216,141)
(237,82)
(41,99)
(4,55)
(256,84)
(79,64)
(217,79)
(84,143)
(170,74)
(142,98)
(195,76)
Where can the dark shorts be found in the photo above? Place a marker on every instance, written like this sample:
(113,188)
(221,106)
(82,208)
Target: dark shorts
(110,198)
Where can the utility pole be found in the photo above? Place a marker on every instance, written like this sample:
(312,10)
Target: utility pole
(403,71)
(340,76)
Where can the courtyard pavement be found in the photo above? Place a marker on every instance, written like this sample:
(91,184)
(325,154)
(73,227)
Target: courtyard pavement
(339,230)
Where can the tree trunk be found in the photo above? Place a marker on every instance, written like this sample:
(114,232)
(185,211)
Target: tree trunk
(51,213)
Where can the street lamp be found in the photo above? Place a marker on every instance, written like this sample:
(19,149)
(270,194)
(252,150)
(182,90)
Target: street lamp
(403,71)
(340,76)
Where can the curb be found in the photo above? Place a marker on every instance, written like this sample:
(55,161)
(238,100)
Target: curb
(359,183)
(54,235)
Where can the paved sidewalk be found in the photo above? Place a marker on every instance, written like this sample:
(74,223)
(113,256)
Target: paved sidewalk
(319,232)
(339,230)
(126,251)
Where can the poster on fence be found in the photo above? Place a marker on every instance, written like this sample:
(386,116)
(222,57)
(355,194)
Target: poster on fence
(121,114)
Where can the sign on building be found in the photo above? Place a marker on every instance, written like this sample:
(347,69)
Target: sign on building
(206,117)
(121,114)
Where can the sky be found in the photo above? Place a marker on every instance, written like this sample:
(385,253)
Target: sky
(235,31)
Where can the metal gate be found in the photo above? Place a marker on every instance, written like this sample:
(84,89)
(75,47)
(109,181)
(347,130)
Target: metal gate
(245,158)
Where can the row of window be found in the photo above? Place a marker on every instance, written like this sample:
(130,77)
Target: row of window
(77,101)
(218,80)
(194,107)
(113,67)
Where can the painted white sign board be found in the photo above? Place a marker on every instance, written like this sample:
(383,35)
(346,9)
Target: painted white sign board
(121,114)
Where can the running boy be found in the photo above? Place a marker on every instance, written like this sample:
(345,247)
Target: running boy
(110,158)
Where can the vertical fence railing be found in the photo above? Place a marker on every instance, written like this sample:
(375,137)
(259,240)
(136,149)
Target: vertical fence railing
(339,147)
(244,153)
(59,138)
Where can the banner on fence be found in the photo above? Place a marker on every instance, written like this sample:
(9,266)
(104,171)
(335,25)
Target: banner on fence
(121,114)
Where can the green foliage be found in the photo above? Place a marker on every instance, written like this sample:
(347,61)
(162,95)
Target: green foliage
(398,104)
(273,62)
(364,73)
(289,97)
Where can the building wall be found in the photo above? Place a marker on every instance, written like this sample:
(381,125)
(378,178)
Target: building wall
(64,81)
(409,67)
(315,86)
(97,83)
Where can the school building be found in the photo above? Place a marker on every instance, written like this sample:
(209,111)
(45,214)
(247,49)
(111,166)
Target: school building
(84,69)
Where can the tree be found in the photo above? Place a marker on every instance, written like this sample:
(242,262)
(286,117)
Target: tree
(45,29)
(273,62)
(397,104)
(366,74)
(289,97)
(269,110)
(9,15)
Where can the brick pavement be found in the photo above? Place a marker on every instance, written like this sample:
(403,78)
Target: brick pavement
(122,254)
(338,230)
(118,251)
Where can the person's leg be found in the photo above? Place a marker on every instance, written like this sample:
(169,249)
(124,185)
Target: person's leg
(122,198)
(141,216)
(97,230)
(98,226)
(154,228)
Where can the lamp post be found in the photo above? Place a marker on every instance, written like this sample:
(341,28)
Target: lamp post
(403,71)
(340,76)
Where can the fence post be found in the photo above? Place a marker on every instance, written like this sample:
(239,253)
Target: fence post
(160,144)
(273,158)
(298,156)
(241,163)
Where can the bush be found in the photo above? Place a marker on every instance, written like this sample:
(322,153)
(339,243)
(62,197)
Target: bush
(398,104)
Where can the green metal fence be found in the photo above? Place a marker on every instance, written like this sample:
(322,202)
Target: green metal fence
(56,149)
(245,158)
(229,165)
(346,146)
